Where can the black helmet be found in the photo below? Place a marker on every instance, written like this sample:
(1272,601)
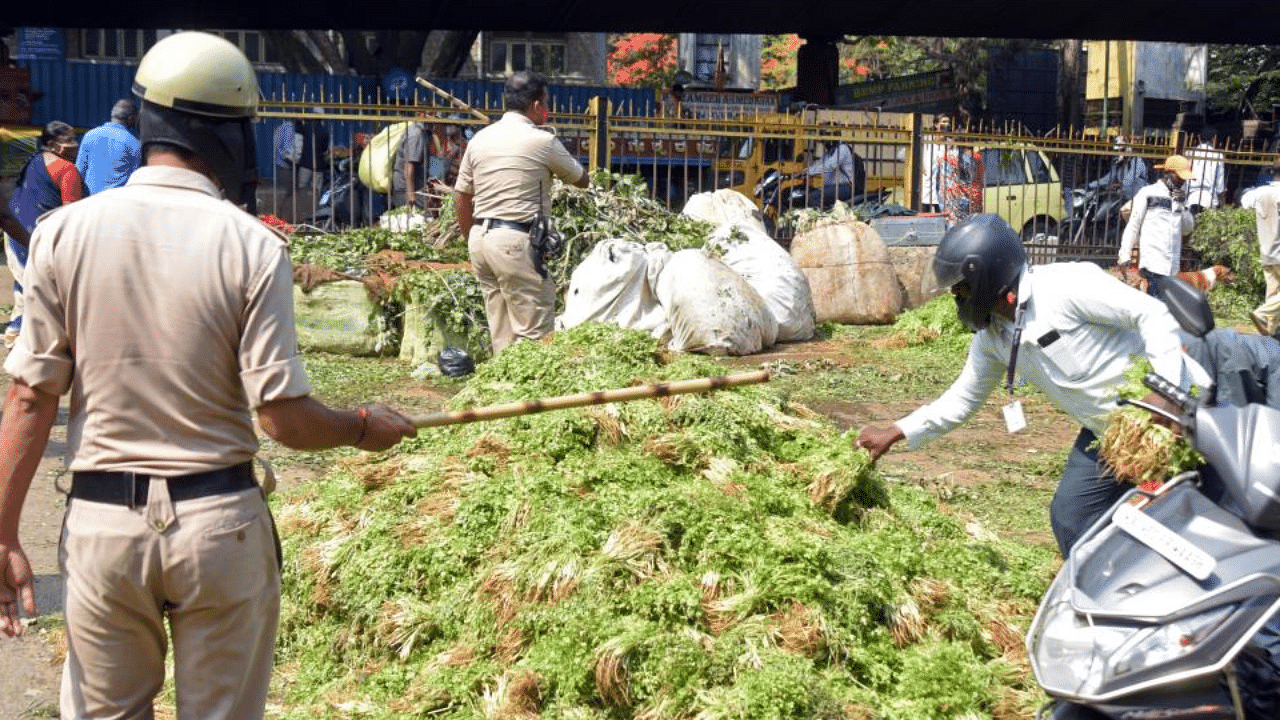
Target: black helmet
(985,255)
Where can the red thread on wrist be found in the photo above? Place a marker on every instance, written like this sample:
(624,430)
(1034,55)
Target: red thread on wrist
(363,413)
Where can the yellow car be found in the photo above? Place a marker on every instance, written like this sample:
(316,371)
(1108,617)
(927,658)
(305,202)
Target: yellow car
(1022,186)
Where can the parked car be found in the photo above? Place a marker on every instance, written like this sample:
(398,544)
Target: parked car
(1022,186)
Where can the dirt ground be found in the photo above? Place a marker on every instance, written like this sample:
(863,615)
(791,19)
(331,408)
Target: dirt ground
(963,458)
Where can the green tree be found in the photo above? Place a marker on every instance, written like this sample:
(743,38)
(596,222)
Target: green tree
(778,61)
(1243,79)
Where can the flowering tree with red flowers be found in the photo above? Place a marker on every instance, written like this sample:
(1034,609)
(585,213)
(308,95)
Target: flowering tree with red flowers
(778,61)
(642,59)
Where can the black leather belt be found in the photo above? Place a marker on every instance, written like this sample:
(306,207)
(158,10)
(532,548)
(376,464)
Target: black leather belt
(507,224)
(130,489)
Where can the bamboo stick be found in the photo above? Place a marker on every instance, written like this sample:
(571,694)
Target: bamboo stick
(597,397)
(452,100)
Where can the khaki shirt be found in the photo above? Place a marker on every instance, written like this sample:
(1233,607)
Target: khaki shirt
(168,314)
(507,168)
(1265,203)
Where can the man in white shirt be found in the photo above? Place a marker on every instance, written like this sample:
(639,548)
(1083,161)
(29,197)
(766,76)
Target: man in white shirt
(1069,329)
(931,158)
(1205,190)
(1159,220)
(1265,203)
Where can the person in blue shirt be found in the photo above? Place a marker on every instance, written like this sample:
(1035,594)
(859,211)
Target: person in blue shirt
(110,153)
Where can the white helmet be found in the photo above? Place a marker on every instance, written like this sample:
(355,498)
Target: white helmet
(198,73)
(199,93)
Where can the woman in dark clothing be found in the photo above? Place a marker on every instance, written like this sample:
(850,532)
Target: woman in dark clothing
(48,180)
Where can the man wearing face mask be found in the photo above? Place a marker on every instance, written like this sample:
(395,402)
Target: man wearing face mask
(504,184)
(48,180)
(1159,220)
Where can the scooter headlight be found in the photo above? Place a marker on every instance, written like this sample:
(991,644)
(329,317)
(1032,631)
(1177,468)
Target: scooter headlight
(1154,646)
(1076,657)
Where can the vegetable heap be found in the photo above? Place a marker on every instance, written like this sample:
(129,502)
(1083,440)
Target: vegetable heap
(704,556)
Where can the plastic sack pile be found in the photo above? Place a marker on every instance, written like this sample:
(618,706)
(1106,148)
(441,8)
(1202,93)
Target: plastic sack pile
(738,295)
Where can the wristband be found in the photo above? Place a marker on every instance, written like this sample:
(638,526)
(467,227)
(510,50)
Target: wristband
(363,413)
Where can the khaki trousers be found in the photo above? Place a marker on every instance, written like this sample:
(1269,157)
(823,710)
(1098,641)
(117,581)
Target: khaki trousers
(1269,310)
(209,566)
(519,303)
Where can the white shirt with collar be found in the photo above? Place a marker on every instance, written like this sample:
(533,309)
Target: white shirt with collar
(1083,328)
(1209,181)
(1156,224)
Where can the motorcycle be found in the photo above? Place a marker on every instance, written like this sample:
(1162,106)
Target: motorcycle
(778,193)
(1168,606)
(344,201)
(1096,216)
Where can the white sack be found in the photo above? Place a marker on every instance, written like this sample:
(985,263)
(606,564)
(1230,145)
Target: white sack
(711,308)
(724,207)
(615,283)
(769,269)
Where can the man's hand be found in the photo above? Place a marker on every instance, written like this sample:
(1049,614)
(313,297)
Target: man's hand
(384,427)
(15,587)
(877,439)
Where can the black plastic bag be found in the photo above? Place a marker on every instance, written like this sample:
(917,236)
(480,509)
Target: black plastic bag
(455,362)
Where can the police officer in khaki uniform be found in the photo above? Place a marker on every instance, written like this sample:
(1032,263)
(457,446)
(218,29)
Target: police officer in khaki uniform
(167,312)
(503,183)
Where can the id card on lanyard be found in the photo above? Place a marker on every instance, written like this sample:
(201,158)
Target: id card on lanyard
(1014,419)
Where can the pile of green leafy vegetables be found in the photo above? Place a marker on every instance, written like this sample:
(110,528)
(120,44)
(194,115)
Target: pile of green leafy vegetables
(722,555)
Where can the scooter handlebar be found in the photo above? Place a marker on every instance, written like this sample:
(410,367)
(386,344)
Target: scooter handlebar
(1169,391)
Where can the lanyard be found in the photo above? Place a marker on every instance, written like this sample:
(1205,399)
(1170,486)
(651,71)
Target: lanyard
(1019,323)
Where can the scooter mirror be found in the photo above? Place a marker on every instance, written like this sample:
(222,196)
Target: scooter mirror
(1189,306)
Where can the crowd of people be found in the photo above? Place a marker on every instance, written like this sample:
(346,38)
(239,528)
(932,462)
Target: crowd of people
(424,163)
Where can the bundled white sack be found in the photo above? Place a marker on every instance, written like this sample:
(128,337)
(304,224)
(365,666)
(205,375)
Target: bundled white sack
(712,309)
(724,207)
(769,269)
(616,283)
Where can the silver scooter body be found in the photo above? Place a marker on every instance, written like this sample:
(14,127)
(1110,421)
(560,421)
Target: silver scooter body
(1166,607)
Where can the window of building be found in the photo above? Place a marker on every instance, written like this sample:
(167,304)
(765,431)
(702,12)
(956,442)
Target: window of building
(130,45)
(253,44)
(708,48)
(109,44)
(542,53)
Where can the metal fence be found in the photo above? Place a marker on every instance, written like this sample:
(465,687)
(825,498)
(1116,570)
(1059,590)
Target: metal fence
(1063,191)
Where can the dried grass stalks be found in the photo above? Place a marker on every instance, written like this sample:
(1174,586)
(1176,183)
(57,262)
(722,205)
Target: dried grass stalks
(1135,449)
(638,549)
(612,432)
(513,696)
(612,673)
(799,630)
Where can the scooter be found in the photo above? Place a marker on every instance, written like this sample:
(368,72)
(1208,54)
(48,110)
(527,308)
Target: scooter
(1168,606)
